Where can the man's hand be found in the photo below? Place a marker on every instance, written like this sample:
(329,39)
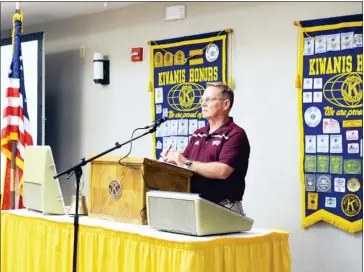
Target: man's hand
(174,157)
(164,153)
(213,170)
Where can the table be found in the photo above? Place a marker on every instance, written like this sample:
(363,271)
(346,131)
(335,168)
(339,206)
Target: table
(31,241)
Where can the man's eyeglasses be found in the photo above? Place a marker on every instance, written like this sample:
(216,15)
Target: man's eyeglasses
(208,100)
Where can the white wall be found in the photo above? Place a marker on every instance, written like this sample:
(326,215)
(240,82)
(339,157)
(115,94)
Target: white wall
(84,118)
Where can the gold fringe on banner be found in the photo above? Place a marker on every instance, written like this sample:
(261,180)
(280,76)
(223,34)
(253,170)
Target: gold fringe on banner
(230,32)
(298,82)
(151,71)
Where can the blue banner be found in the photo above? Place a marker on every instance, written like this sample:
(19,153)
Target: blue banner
(331,113)
(180,69)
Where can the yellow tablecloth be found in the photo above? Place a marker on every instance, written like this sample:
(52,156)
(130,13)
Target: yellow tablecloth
(34,242)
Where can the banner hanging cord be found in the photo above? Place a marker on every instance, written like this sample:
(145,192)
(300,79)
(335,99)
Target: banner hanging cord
(186,59)
(228,31)
(301,36)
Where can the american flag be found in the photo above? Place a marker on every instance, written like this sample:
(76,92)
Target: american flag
(15,124)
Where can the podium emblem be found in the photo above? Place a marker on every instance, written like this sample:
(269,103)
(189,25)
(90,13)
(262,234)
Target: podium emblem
(115,189)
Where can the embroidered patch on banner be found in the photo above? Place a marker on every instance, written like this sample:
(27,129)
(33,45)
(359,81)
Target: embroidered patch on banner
(353,185)
(313,116)
(331,125)
(312,201)
(339,185)
(352,167)
(323,183)
(330,202)
(310,182)
(351,205)
(323,163)
(353,148)
(336,164)
(352,135)
(310,164)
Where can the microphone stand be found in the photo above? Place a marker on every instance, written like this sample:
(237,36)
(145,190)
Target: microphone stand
(77,170)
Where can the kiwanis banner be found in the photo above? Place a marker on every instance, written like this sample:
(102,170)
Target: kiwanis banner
(180,68)
(330,81)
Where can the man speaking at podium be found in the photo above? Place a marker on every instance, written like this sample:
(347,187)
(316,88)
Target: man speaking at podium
(218,153)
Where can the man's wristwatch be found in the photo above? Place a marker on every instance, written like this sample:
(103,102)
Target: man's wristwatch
(187,163)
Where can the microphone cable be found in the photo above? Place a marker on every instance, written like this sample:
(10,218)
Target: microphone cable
(135,168)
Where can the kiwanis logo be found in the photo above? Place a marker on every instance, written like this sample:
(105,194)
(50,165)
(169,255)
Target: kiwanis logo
(345,90)
(185,96)
(351,205)
(115,189)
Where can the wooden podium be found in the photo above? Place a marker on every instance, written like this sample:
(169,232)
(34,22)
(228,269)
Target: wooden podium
(117,192)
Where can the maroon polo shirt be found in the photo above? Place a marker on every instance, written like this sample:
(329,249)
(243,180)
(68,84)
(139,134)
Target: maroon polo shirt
(229,145)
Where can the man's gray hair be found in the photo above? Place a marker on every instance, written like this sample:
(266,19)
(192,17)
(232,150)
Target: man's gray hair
(226,91)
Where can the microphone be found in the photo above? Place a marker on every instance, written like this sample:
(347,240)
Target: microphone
(156,123)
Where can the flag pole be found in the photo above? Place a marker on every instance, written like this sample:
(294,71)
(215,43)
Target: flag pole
(13,153)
